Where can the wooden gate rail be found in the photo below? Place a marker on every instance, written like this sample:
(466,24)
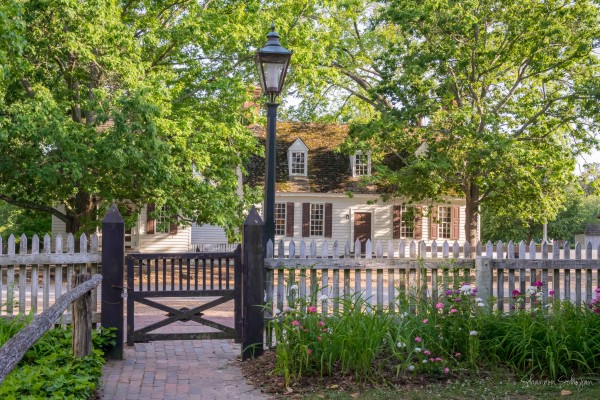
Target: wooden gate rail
(151,276)
(13,351)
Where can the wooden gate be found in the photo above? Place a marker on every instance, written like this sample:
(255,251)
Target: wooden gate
(168,277)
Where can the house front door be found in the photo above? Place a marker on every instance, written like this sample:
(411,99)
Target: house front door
(362,228)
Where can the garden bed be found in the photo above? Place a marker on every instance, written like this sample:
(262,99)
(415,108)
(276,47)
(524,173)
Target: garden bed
(543,348)
(49,370)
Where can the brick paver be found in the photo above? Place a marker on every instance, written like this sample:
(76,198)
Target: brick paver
(178,370)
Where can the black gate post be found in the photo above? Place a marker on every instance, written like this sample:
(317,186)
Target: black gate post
(237,287)
(113,257)
(253,283)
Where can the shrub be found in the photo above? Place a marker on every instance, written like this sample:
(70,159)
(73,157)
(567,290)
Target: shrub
(49,370)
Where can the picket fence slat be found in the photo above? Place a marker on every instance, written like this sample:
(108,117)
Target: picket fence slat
(33,277)
(378,277)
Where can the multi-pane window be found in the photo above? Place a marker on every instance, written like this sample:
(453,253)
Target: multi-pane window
(407,227)
(163,223)
(280,218)
(445,222)
(361,164)
(317,214)
(298,163)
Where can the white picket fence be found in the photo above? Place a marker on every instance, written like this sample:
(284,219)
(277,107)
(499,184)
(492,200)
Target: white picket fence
(419,269)
(32,278)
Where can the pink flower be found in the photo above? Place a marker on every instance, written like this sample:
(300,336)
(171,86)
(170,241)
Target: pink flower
(439,306)
(454,310)
(309,351)
(457,355)
(418,339)
(295,322)
(425,321)
(446,370)
(321,323)
(312,309)
(438,359)
(427,352)
(319,338)
(551,293)
(516,293)
(538,283)
(432,360)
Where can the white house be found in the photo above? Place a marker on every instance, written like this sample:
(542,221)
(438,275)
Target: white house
(313,182)
(312,201)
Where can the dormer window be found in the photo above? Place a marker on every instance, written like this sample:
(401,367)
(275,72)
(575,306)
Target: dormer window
(361,164)
(298,158)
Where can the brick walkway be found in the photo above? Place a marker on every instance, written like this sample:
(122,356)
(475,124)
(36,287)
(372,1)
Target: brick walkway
(178,370)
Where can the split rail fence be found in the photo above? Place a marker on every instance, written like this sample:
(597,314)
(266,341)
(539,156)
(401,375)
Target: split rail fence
(379,275)
(33,278)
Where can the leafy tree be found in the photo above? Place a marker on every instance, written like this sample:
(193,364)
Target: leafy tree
(122,101)
(20,221)
(503,95)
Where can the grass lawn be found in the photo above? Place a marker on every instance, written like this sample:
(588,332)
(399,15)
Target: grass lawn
(489,389)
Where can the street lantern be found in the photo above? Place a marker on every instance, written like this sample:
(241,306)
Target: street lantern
(272,62)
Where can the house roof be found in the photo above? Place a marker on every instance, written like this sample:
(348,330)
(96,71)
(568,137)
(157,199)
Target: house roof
(592,229)
(328,169)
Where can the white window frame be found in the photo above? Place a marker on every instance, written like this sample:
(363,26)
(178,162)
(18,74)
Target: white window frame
(294,165)
(298,147)
(280,207)
(162,221)
(317,225)
(444,222)
(354,163)
(404,228)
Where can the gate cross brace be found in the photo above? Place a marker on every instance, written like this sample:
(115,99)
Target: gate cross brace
(185,314)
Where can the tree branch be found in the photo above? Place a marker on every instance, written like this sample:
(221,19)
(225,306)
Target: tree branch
(35,207)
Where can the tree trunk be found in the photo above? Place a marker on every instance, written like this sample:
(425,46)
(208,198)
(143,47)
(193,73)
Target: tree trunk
(471,214)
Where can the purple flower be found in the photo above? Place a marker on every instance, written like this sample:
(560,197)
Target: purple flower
(474,291)
(551,293)
(516,293)
(598,289)
(458,299)
(538,283)
(448,292)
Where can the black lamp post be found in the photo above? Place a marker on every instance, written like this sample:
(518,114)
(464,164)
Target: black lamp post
(272,62)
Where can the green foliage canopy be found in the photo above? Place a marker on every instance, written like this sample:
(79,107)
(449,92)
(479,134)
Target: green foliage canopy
(122,101)
(503,94)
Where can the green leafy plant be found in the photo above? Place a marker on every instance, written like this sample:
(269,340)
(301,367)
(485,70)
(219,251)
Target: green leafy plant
(48,369)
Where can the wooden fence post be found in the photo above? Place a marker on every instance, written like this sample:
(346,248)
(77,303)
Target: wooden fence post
(113,258)
(82,319)
(483,278)
(237,311)
(253,283)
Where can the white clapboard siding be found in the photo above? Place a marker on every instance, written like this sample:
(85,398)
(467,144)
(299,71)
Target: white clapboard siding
(163,242)
(39,271)
(343,210)
(379,272)
(208,234)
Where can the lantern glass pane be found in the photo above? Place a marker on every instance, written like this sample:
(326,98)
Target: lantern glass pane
(272,77)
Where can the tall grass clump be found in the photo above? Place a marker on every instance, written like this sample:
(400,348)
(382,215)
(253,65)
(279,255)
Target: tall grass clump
(549,340)
(453,333)
(311,343)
